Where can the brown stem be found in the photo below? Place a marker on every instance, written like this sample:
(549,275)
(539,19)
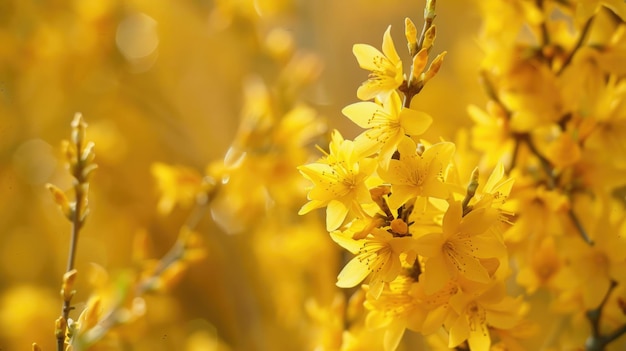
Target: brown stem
(597,341)
(429,17)
(579,43)
(77,224)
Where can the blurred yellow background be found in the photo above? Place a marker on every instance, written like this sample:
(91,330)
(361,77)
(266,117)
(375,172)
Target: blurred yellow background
(161,81)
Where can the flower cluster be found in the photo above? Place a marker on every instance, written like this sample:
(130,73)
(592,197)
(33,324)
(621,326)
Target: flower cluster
(555,118)
(428,250)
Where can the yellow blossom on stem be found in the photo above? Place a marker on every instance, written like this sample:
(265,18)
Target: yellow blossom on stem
(476,314)
(395,310)
(338,182)
(386,125)
(417,174)
(597,266)
(544,269)
(458,249)
(177,185)
(378,255)
(385,68)
(495,191)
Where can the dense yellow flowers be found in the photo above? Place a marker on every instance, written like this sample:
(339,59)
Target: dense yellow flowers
(388,224)
(436,253)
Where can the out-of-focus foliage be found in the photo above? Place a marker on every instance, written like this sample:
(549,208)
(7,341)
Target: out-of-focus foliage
(164,86)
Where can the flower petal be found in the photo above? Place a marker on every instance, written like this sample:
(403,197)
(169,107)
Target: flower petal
(336,213)
(389,48)
(414,122)
(393,335)
(367,56)
(362,113)
(352,274)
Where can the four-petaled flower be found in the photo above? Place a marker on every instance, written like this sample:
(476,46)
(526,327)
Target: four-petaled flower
(474,314)
(377,255)
(458,249)
(386,68)
(386,125)
(418,175)
(338,182)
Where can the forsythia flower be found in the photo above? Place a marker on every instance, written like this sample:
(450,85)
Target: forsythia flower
(338,182)
(457,250)
(475,314)
(386,68)
(177,185)
(396,309)
(386,125)
(418,175)
(378,254)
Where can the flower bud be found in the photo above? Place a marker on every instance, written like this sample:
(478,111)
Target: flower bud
(61,200)
(410,31)
(67,288)
(434,67)
(79,128)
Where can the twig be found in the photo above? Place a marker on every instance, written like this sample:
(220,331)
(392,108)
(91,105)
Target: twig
(80,157)
(597,341)
(579,43)
(579,227)
(429,17)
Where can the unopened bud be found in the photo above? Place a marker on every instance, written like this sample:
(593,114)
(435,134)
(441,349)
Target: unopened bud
(410,31)
(419,63)
(473,184)
(60,326)
(434,67)
(79,128)
(429,10)
(88,155)
(429,38)
(399,226)
(67,288)
(61,200)
(36,347)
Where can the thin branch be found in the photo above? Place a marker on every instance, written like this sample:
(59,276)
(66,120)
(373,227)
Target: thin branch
(597,341)
(579,44)
(579,227)
(80,159)
(429,17)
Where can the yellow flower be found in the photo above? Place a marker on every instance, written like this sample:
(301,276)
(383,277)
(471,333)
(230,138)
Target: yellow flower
(177,185)
(495,191)
(418,175)
(386,68)
(386,125)
(596,266)
(458,249)
(491,133)
(544,269)
(338,182)
(476,314)
(395,310)
(378,255)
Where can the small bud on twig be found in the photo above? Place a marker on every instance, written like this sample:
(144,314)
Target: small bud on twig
(434,67)
(61,200)
(60,326)
(410,31)
(67,288)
